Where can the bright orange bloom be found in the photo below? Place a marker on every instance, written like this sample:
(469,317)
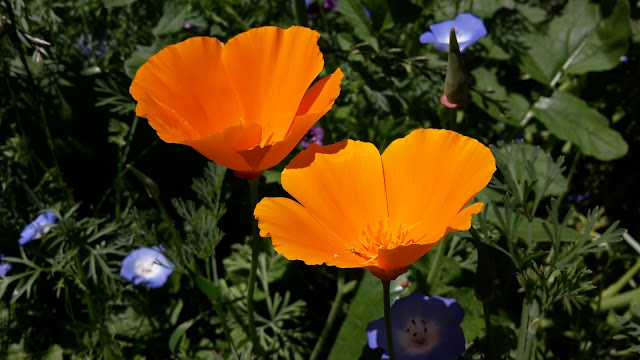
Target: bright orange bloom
(360,209)
(244,105)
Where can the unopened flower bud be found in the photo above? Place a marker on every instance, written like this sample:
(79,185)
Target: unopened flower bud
(455,83)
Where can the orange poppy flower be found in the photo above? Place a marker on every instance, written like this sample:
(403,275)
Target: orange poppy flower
(360,209)
(244,105)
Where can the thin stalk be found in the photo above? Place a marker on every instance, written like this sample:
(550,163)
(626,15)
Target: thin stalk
(624,279)
(255,250)
(487,324)
(522,332)
(620,300)
(438,262)
(387,319)
(333,314)
(528,329)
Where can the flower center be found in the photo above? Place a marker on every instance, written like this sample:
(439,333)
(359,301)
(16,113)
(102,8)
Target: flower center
(147,267)
(381,235)
(418,336)
(417,331)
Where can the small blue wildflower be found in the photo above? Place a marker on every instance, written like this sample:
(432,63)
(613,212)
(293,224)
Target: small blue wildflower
(147,266)
(367,12)
(38,227)
(424,328)
(469,29)
(624,59)
(5,266)
(313,136)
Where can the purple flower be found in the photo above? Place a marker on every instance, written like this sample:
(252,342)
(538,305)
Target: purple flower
(147,266)
(38,227)
(5,266)
(313,10)
(313,136)
(469,29)
(424,328)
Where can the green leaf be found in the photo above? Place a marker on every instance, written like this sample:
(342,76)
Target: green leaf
(173,17)
(116,3)
(53,353)
(586,37)
(571,119)
(496,102)
(177,334)
(207,287)
(486,8)
(543,167)
(365,307)
(381,19)
(353,11)
(139,57)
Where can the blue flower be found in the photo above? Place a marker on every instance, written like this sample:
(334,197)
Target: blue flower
(313,136)
(469,29)
(424,328)
(5,266)
(147,266)
(37,227)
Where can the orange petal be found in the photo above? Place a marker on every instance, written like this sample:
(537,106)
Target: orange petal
(298,236)
(388,275)
(430,175)
(184,92)
(271,69)
(316,102)
(462,221)
(341,185)
(224,147)
(402,256)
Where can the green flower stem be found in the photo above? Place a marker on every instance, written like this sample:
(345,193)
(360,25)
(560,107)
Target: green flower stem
(620,300)
(433,274)
(387,319)
(255,250)
(333,313)
(487,324)
(530,319)
(618,285)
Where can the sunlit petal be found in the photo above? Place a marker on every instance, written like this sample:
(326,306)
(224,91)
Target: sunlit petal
(341,185)
(184,92)
(298,236)
(271,86)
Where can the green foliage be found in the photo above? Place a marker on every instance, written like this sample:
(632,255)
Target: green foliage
(548,75)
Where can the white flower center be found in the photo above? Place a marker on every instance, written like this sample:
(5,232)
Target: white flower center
(147,267)
(462,37)
(419,336)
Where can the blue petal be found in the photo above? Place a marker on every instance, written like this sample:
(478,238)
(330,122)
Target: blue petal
(128,271)
(428,38)
(470,25)
(442,30)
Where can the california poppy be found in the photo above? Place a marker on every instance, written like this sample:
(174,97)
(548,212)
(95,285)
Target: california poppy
(357,208)
(243,104)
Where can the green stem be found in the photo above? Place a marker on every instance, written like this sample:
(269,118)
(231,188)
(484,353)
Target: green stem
(620,300)
(487,324)
(529,322)
(618,285)
(433,274)
(255,251)
(333,313)
(387,319)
